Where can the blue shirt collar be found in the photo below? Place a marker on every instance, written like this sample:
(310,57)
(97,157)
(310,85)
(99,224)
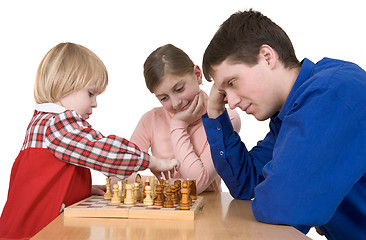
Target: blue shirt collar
(305,72)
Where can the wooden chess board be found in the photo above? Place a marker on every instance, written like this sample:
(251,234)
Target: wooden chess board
(97,206)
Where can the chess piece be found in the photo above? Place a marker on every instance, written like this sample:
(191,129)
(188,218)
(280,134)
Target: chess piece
(115,198)
(147,183)
(136,192)
(174,195)
(168,203)
(166,185)
(161,181)
(184,203)
(153,187)
(108,194)
(159,200)
(129,198)
(193,193)
(138,178)
(123,193)
(148,200)
(177,184)
(119,183)
(189,182)
(138,188)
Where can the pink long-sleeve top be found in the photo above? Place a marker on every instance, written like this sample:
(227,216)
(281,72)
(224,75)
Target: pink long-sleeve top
(169,138)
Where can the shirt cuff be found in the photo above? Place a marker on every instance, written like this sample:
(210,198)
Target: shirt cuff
(145,160)
(222,122)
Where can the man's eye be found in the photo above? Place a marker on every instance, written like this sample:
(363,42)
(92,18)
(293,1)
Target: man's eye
(163,99)
(231,83)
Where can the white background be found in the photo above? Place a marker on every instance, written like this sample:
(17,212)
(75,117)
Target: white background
(123,33)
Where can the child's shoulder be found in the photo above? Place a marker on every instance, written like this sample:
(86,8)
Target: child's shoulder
(154,113)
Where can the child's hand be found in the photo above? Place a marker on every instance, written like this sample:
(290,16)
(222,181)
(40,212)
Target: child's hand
(98,190)
(195,110)
(216,103)
(160,167)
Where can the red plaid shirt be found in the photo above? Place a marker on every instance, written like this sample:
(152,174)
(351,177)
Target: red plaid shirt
(40,184)
(71,139)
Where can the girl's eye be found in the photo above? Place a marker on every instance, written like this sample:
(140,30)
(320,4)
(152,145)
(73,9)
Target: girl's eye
(180,89)
(91,94)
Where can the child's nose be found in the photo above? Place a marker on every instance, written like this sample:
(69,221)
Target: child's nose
(176,102)
(94,103)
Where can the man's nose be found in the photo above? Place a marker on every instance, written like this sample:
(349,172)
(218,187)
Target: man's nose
(233,100)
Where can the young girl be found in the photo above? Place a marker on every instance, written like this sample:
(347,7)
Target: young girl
(52,168)
(175,130)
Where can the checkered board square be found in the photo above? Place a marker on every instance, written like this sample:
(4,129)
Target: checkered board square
(97,206)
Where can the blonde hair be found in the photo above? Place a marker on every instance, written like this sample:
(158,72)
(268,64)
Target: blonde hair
(67,68)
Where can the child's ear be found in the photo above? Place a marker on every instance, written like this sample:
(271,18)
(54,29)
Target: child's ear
(197,71)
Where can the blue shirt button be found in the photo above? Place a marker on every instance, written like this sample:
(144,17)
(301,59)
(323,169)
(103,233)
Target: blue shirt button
(219,128)
(221,153)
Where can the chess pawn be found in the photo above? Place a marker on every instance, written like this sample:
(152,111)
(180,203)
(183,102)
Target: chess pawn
(168,203)
(108,194)
(184,203)
(129,198)
(159,200)
(115,198)
(148,200)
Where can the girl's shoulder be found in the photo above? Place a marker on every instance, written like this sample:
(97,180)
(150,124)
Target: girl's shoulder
(155,113)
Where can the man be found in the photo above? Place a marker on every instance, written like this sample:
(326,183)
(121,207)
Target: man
(310,168)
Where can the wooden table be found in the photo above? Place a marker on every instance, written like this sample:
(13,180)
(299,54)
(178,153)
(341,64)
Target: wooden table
(221,218)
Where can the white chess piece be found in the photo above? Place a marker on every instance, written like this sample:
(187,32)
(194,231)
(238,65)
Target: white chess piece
(115,198)
(129,198)
(148,200)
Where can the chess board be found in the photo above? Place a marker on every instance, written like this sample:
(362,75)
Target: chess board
(97,206)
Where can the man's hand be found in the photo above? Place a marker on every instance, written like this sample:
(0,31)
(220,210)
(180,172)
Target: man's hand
(160,167)
(195,110)
(216,103)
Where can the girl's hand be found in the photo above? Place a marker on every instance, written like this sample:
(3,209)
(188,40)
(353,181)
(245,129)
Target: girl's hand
(98,190)
(216,103)
(163,167)
(195,110)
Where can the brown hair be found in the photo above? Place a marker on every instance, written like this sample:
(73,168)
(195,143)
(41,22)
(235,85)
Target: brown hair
(165,59)
(67,68)
(240,37)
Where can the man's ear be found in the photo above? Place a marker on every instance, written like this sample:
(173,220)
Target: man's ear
(197,71)
(268,54)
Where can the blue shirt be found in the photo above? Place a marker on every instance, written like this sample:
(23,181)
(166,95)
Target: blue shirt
(310,168)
